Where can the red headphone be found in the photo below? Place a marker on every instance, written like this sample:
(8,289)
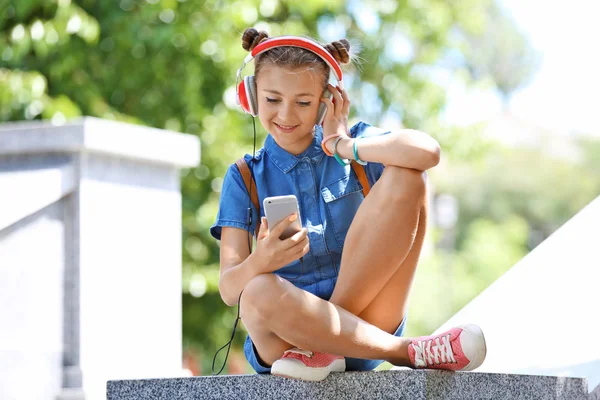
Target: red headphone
(246,89)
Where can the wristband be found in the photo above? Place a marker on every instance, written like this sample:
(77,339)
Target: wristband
(342,162)
(326,139)
(355,149)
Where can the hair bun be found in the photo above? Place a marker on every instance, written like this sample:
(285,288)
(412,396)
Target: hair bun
(340,50)
(252,38)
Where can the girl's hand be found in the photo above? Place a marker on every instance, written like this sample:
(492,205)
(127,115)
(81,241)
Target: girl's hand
(274,253)
(336,117)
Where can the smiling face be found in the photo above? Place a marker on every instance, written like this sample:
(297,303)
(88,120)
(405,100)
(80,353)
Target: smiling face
(288,102)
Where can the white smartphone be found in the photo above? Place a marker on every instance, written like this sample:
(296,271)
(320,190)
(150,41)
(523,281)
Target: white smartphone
(278,208)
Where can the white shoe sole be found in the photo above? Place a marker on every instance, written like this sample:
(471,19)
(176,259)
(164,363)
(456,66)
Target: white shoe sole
(480,350)
(297,370)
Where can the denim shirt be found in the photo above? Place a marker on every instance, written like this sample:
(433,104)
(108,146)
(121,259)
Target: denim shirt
(328,193)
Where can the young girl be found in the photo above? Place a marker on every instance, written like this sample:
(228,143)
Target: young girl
(356,256)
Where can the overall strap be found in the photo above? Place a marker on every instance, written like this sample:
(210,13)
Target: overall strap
(249,182)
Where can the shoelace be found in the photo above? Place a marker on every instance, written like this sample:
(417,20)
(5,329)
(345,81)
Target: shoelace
(296,350)
(429,353)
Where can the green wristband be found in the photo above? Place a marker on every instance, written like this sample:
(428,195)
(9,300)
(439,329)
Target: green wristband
(342,162)
(355,149)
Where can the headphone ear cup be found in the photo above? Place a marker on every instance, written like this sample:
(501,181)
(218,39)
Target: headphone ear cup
(323,108)
(242,96)
(252,97)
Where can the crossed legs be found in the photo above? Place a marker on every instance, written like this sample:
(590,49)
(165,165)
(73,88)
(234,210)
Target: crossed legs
(380,255)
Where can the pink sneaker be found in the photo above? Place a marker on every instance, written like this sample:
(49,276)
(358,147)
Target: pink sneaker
(306,365)
(459,349)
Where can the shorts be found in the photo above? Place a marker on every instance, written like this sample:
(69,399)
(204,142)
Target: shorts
(352,364)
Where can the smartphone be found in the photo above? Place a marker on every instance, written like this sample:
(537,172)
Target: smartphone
(278,208)
(323,107)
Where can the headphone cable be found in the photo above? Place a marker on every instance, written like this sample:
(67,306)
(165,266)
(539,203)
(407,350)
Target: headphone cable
(237,319)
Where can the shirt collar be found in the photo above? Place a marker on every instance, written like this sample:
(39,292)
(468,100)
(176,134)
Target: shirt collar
(286,161)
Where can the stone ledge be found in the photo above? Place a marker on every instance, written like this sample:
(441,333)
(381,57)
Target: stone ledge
(95,135)
(32,189)
(403,384)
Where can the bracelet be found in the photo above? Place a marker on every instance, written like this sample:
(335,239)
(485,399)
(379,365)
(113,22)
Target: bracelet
(355,149)
(326,139)
(342,162)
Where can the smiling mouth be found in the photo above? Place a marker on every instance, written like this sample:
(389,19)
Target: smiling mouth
(286,128)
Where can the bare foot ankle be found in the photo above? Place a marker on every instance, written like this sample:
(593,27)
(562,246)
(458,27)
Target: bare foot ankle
(400,357)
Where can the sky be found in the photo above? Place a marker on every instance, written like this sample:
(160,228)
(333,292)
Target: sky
(563,95)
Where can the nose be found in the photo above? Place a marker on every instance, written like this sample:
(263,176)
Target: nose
(286,112)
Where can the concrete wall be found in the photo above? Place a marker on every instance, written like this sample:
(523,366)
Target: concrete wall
(90,256)
(32,259)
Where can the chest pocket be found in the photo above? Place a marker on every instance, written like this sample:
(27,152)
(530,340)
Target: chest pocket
(342,199)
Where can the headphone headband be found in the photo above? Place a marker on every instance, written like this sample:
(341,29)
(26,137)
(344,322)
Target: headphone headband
(295,41)
(304,43)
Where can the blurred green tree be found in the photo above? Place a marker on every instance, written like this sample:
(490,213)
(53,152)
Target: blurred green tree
(488,250)
(171,64)
(507,207)
(502,53)
(523,182)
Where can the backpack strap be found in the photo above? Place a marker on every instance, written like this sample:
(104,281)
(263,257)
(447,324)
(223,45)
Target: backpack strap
(250,184)
(362,177)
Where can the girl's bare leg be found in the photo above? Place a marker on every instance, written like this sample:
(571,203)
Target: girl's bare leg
(280,316)
(380,256)
(382,249)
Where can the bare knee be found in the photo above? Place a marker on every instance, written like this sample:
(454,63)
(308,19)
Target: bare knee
(259,298)
(403,184)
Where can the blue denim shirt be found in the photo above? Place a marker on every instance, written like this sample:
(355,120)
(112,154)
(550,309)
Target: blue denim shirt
(328,193)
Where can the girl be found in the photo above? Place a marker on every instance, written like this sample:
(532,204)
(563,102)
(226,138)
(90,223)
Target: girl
(356,256)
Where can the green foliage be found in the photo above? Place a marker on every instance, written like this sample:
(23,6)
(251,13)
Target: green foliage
(521,182)
(171,64)
(502,53)
(590,153)
(488,250)
(507,206)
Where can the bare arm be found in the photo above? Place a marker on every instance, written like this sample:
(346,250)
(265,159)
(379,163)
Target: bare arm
(237,266)
(406,148)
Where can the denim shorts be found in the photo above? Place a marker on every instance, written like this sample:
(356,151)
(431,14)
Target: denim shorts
(352,364)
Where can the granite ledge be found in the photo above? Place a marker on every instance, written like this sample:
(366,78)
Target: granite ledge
(403,384)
